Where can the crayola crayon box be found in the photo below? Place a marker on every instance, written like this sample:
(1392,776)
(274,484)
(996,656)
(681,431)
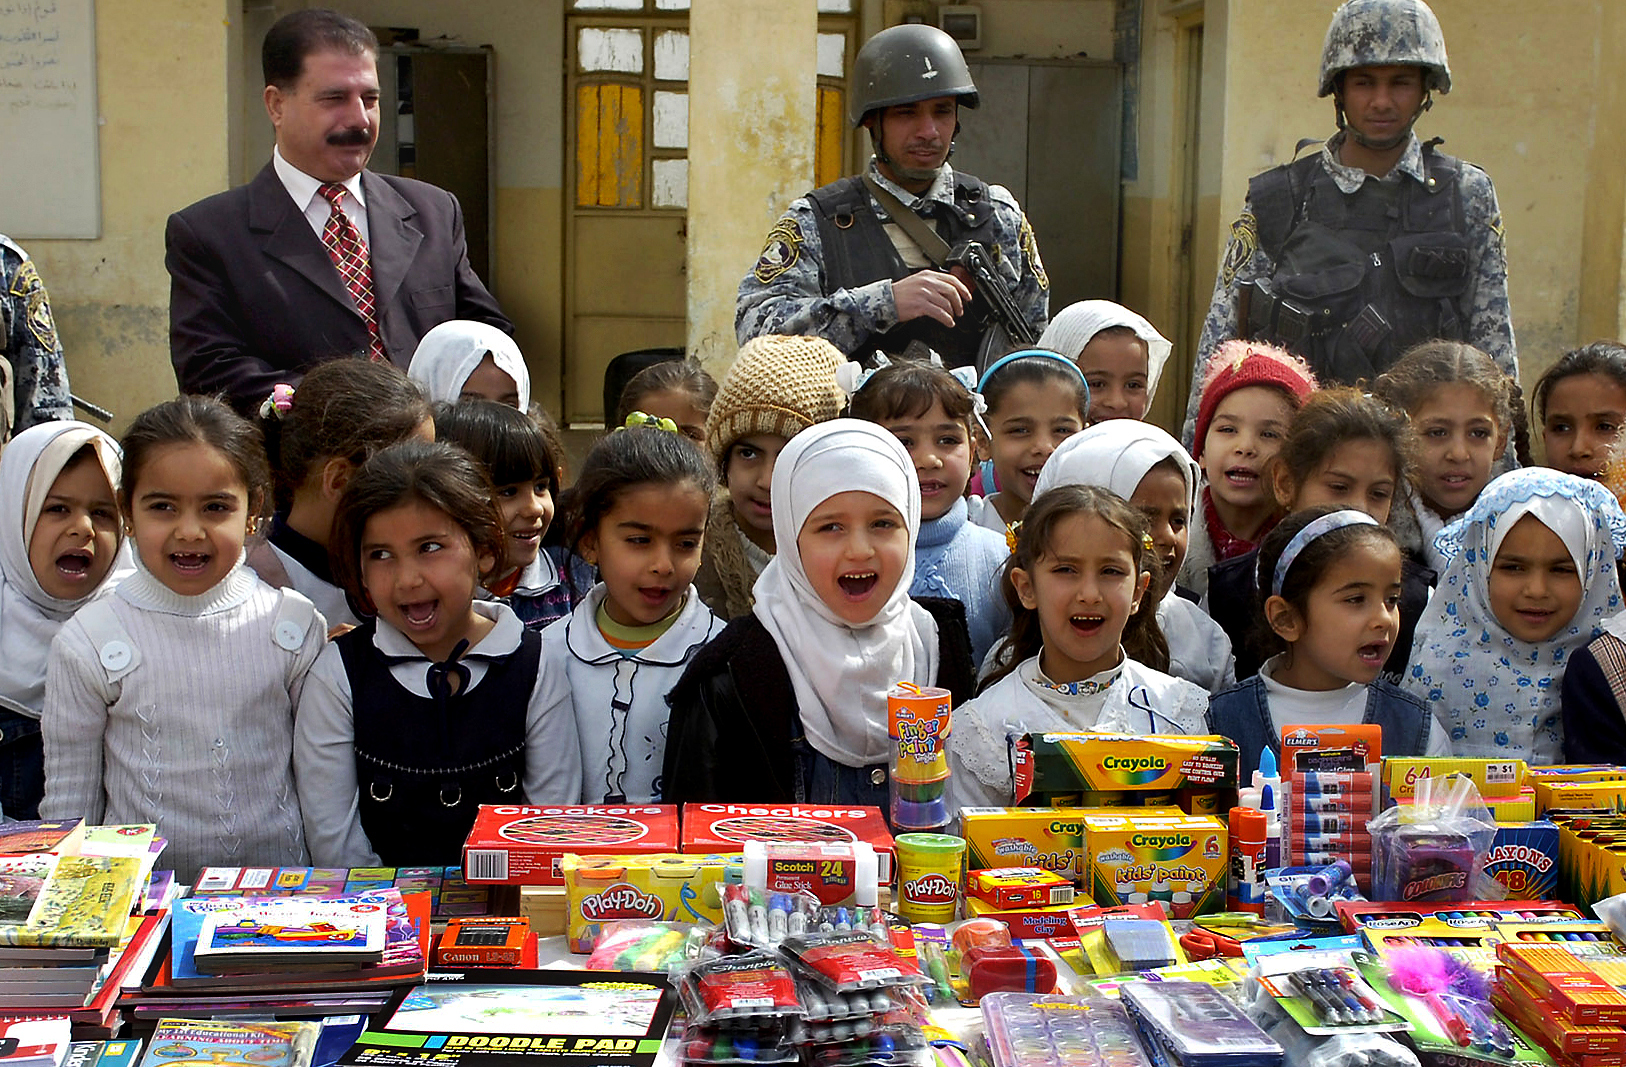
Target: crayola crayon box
(1048,838)
(1493,778)
(1122,770)
(659,887)
(1178,863)
(524,844)
(1606,795)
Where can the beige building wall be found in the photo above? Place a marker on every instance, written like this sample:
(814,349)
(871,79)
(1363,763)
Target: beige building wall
(167,79)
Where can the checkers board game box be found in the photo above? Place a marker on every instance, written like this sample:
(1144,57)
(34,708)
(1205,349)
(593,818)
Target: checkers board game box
(726,827)
(523,844)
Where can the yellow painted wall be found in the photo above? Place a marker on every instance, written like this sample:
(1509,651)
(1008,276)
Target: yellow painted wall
(167,81)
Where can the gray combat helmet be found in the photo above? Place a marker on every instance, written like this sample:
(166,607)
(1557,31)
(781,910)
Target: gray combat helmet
(906,63)
(1384,33)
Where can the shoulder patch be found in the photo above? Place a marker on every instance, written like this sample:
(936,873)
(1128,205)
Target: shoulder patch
(780,253)
(1243,244)
(27,284)
(1030,250)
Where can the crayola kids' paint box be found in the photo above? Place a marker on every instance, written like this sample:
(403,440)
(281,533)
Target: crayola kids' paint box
(1049,838)
(660,887)
(1124,770)
(1178,863)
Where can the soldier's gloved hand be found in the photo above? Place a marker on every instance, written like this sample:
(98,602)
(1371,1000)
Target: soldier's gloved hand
(930,292)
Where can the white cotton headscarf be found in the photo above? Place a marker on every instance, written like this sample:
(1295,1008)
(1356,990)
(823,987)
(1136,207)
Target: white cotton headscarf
(1075,324)
(1116,455)
(1500,694)
(29,616)
(841,673)
(448,354)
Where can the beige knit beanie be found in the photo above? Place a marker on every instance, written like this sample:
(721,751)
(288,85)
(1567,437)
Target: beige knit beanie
(779,385)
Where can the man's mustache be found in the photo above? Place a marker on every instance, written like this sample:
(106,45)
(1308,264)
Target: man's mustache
(360,135)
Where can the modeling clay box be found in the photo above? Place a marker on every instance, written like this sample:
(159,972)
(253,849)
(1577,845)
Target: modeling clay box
(1180,864)
(1019,887)
(712,828)
(1524,858)
(523,844)
(1040,921)
(1493,778)
(1103,768)
(1048,838)
(666,887)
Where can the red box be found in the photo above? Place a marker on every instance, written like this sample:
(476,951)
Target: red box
(522,844)
(1576,992)
(725,827)
(1019,887)
(482,943)
(1539,1019)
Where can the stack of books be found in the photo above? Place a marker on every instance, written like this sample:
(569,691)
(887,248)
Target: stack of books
(285,957)
(74,922)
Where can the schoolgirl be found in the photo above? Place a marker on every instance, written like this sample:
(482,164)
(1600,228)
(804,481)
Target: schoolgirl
(1329,612)
(171,701)
(638,514)
(1580,405)
(1462,409)
(61,479)
(316,436)
(1249,395)
(1121,354)
(1034,399)
(523,462)
(1148,468)
(1077,582)
(678,389)
(463,359)
(436,704)
(789,702)
(775,388)
(1530,580)
(929,410)
(1344,447)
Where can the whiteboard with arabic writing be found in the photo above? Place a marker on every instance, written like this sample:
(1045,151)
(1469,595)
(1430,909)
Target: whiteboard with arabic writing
(49,169)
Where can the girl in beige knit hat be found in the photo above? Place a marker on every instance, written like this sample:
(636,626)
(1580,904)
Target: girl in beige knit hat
(777,387)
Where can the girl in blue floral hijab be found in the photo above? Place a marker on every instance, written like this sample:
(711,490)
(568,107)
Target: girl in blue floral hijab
(1530,578)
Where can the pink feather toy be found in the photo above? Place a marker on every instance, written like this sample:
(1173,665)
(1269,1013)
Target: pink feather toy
(1425,973)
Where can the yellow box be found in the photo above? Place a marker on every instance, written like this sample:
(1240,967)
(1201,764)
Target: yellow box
(1179,863)
(1051,838)
(1019,887)
(657,886)
(1492,777)
(1609,795)
(1064,763)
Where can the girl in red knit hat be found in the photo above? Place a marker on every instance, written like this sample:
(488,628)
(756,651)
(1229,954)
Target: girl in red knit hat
(1250,394)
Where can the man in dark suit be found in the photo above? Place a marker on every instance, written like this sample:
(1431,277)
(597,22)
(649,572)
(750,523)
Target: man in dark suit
(317,258)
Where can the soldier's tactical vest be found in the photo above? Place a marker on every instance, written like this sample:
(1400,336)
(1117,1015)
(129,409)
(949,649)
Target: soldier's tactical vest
(424,765)
(1359,277)
(858,251)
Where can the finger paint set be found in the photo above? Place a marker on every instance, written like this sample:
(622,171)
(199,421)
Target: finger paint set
(1178,863)
(1049,838)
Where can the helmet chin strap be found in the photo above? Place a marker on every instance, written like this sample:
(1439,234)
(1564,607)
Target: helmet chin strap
(1370,142)
(914,174)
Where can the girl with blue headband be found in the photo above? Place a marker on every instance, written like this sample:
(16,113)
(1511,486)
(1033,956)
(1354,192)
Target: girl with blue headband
(1328,607)
(1035,399)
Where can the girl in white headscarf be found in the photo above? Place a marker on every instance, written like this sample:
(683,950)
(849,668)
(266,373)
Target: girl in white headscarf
(789,702)
(1148,468)
(465,358)
(61,545)
(1530,579)
(1121,354)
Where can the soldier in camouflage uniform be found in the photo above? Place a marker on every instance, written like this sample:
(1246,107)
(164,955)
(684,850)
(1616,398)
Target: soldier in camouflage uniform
(33,376)
(1351,256)
(836,266)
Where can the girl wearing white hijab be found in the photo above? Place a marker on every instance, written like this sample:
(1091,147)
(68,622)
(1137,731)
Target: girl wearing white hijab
(73,470)
(1478,656)
(465,358)
(789,702)
(1121,354)
(1127,458)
